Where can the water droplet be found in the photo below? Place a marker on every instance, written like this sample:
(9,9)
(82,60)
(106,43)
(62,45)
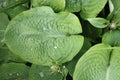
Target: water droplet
(31,49)
(17,74)
(41,74)
(10,74)
(55,47)
(58,70)
(44,29)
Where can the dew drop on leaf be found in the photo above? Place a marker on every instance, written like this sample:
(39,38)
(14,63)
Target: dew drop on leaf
(10,74)
(41,74)
(55,47)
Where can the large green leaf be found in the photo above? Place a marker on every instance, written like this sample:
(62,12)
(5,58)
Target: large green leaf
(14,71)
(57,5)
(3,24)
(38,72)
(91,8)
(43,37)
(101,62)
(73,5)
(112,38)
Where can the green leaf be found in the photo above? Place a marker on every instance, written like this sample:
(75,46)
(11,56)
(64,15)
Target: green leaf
(38,72)
(15,11)
(3,55)
(43,37)
(116,17)
(99,22)
(101,62)
(56,5)
(73,5)
(6,56)
(3,24)
(91,8)
(71,65)
(7,4)
(112,38)
(116,4)
(14,71)
(90,31)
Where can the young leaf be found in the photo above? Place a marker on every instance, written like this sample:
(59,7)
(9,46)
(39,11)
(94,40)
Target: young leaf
(101,62)
(57,5)
(91,8)
(3,24)
(116,4)
(14,71)
(44,37)
(38,72)
(112,38)
(73,5)
(99,22)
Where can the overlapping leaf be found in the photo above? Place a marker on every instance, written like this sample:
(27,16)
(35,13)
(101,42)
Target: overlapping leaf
(7,4)
(43,37)
(101,62)
(112,38)
(57,5)
(3,24)
(14,71)
(99,22)
(38,72)
(91,8)
(73,5)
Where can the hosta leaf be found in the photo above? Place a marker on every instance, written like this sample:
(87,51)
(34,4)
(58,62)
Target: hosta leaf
(91,31)
(15,11)
(116,4)
(71,64)
(91,8)
(99,22)
(14,71)
(6,56)
(57,5)
(38,72)
(112,38)
(3,24)
(7,4)
(44,37)
(73,5)
(116,17)
(101,62)
(3,55)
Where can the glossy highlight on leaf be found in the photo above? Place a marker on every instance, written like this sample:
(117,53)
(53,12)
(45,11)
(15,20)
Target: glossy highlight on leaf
(43,37)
